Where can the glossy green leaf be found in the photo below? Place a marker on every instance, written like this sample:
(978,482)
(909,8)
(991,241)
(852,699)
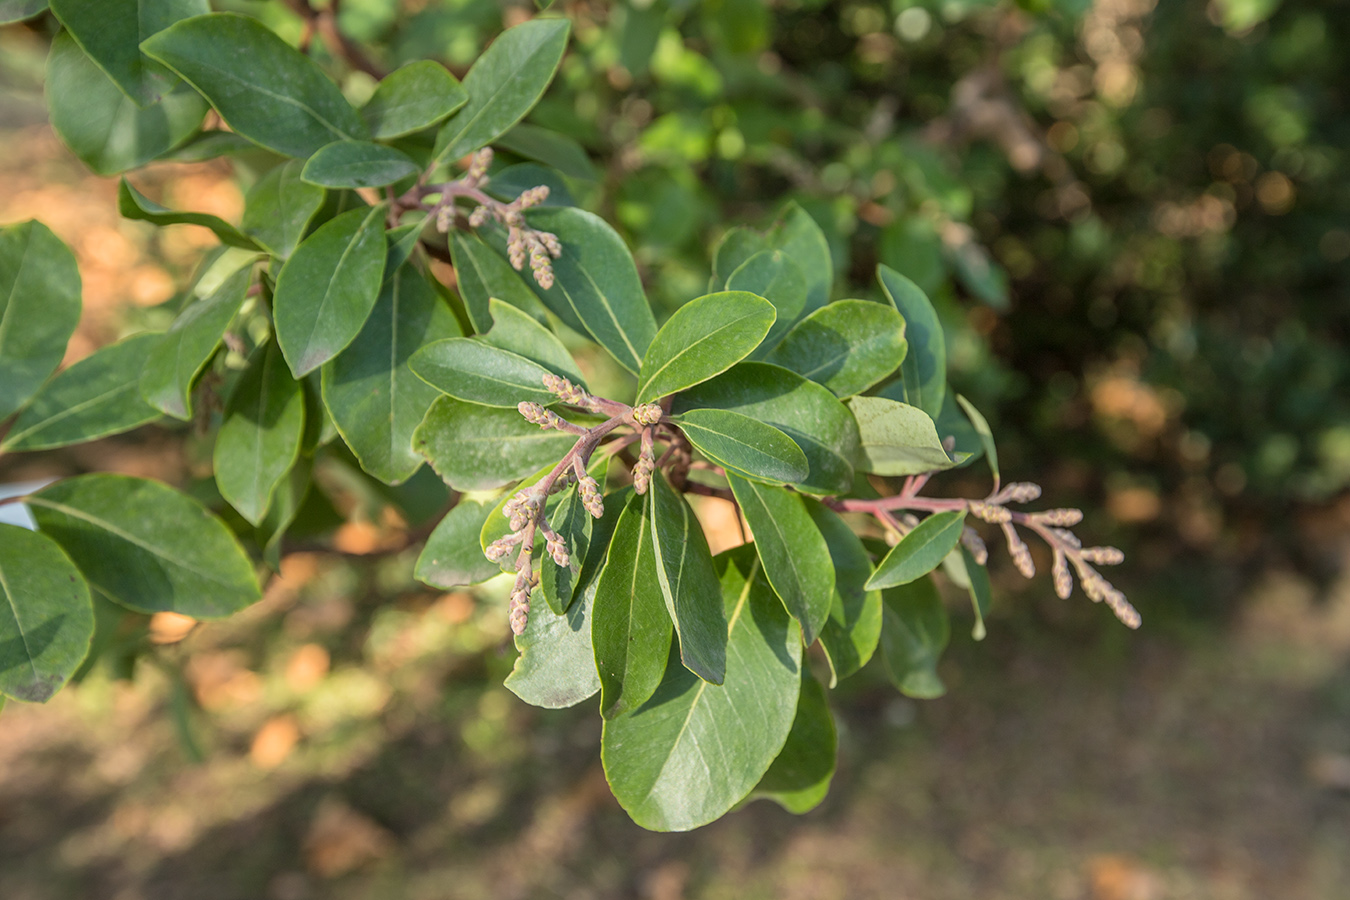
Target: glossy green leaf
(897,439)
(46,615)
(518,332)
(556,666)
(914,633)
(850,634)
(689,585)
(847,346)
(452,557)
(98,396)
(796,557)
(696,749)
(477,448)
(412,97)
(574,525)
(800,238)
(703,339)
(925,366)
(630,627)
(358,164)
(328,287)
(801,774)
(262,87)
(280,207)
(147,546)
(132,204)
(39,309)
(477,372)
(17,10)
(986,435)
(773,275)
(111,31)
(551,148)
(260,436)
(735,249)
(179,358)
(596,283)
(103,126)
(921,551)
(807,412)
(484,274)
(744,445)
(503,85)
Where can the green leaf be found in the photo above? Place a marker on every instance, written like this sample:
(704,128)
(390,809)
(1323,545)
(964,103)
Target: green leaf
(986,436)
(96,397)
(103,126)
(46,615)
(452,557)
(573,524)
(914,633)
(596,283)
(551,148)
(736,248)
(800,776)
(147,546)
(132,204)
(510,182)
(179,358)
(328,287)
(477,448)
(898,439)
(503,85)
(696,749)
(921,551)
(796,557)
(850,634)
(808,413)
(358,164)
(952,425)
(925,366)
(484,275)
(689,585)
(630,628)
(262,87)
(961,566)
(111,31)
(16,11)
(744,445)
(287,502)
(39,309)
(412,97)
(519,333)
(556,666)
(703,339)
(477,372)
(280,207)
(801,239)
(260,436)
(210,144)
(847,346)
(771,274)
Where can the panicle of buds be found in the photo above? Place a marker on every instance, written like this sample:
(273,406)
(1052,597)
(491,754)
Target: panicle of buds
(646,464)
(647,414)
(1102,591)
(590,496)
(478,166)
(971,540)
(1059,518)
(445,217)
(545,418)
(522,507)
(478,218)
(499,549)
(569,393)
(557,548)
(1066,537)
(532,197)
(995,515)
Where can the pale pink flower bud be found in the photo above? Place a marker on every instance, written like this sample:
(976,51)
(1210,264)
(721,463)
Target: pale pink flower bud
(1060,574)
(1062,518)
(1103,556)
(996,515)
(478,218)
(972,541)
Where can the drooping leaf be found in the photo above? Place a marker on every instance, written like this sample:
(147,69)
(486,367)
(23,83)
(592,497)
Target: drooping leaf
(503,85)
(147,546)
(807,412)
(898,439)
(280,207)
(556,666)
(485,275)
(630,627)
(961,567)
(357,164)
(98,396)
(39,309)
(260,436)
(517,331)
(736,247)
(328,287)
(986,436)
(773,275)
(703,339)
(452,557)
(921,551)
(850,634)
(132,204)
(925,366)
(696,749)
(262,87)
(370,390)
(477,372)
(914,633)
(46,615)
(744,445)
(17,10)
(550,148)
(796,557)
(800,776)
(178,359)
(848,346)
(689,585)
(798,236)
(477,448)
(412,97)
(952,425)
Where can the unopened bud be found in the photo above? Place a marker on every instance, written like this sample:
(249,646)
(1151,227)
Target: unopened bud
(550,242)
(647,414)
(479,165)
(590,496)
(533,413)
(996,515)
(1060,574)
(478,218)
(557,548)
(445,217)
(566,390)
(1021,492)
(541,265)
(515,248)
(1103,556)
(642,474)
(1018,550)
(532,197)
(1067,538)
(1062,518)
(972,541)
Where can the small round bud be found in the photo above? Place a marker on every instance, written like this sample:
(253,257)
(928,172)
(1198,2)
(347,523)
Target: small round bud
(647,414)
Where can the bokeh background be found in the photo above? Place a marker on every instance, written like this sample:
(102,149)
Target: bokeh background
(1134,218)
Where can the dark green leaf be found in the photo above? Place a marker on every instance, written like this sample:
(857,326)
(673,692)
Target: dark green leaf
(550,148)
(986,436)
(517,331)
(452,557)
(96,397)
(412,97)
(696,749)
(980,275)
(175,363)
(847,346)
(262,87)
(484,275)
(736,247)
(897,439)
(326,290)
(477,448)
(357,164)
(771,274)
(689,585)
(914,633)
(800,776)
(798,236)
(132,204)
(280,207)
(573,524)
(630,628)
(503,85)
(478,372)
(259,439)
(39,309)
(147,546)
(210,144)
(46,615)
(851,632)
(18,10)
(111,31)
(796,557)
(921,551)
(556,666)
(925,365)
(704,338)
(744,445)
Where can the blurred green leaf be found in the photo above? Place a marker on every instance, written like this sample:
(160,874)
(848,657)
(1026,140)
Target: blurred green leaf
(921,551)
(132,204)
(914,633)
(111,31)
(40,287)
(414,96)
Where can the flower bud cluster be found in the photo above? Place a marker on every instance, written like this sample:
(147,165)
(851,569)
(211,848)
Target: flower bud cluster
(478,166)
(590,496)
(1018,550)
(519,612)
(557,548)
(1103,556)
(646,464)
(569,393)
(647,414)
(544,418)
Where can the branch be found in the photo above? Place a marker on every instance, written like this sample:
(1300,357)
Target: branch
(325,23)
